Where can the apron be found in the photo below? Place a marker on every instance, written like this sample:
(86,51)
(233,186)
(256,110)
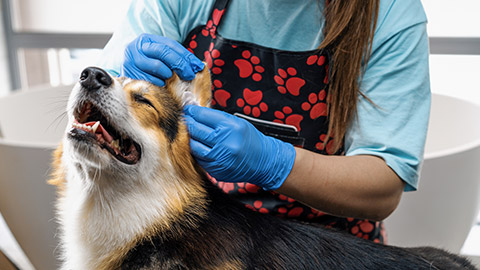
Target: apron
(283,94)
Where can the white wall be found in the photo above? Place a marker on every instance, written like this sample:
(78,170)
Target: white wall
(456,76)
(68,16)
(447,18)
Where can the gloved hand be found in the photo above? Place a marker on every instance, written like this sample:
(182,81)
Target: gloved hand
(152,58)
(233,150)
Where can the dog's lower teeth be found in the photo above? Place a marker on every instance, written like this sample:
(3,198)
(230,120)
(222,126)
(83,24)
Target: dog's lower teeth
(115,144)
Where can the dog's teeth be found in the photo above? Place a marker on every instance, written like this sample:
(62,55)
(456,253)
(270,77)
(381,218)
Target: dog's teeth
(115,144)
(95,126)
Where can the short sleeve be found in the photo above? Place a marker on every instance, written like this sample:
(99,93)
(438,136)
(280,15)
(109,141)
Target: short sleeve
(393,126)
(169,18)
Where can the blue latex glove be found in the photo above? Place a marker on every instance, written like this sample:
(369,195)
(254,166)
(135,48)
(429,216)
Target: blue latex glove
(152,58)
(233,150)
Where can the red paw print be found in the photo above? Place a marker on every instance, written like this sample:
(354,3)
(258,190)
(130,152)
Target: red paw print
(225,186)
(258,206)
(329,145)
(286,117)
(290,212)
(211,26)
(193,44)
(251,102)
(247,188)
(285,198)
(362,229)
(249,66)
(316,104)
(220,96)
(295,212)
(320,60)
(282,211)
(286,81)
(214,64)
(366,227)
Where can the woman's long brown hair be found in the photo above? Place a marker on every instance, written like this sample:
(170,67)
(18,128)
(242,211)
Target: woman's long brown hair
(348,32)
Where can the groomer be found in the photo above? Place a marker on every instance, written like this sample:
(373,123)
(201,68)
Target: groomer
(320,108)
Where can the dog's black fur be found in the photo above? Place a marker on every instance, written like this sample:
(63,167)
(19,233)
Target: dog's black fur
(209,230)
(230,236)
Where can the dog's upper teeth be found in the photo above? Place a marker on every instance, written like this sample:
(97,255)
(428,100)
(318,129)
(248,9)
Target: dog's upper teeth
(95,126)
(85,127)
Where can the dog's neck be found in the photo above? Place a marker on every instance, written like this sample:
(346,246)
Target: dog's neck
(114,211)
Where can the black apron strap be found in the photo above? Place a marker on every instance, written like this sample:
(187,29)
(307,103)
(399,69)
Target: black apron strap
(220,4)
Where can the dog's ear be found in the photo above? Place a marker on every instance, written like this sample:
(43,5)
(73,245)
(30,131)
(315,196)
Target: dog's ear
(197,91)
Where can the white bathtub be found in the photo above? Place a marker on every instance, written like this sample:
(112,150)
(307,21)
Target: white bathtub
(444,208)
(440,213)
(30,128)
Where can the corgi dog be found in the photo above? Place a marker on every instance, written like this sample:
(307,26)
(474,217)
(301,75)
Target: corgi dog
(131,196)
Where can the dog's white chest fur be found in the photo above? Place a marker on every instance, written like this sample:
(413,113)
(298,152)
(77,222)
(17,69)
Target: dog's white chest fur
(99,223)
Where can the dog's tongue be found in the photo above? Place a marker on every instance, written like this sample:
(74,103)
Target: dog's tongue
(104,133)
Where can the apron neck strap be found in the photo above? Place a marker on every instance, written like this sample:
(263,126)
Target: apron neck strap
(220,4)
(218,10)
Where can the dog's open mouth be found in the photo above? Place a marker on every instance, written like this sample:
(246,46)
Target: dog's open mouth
(91,123)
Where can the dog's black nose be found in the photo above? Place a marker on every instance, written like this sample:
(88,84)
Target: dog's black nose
(93,78)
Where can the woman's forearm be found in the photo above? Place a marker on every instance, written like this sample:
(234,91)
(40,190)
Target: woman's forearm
(350,186)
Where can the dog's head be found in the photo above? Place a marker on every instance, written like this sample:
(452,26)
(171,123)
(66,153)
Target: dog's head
(120,126)
(125,163)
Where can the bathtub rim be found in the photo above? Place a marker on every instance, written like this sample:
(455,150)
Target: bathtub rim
(468,146)
(24,144)
(453,150)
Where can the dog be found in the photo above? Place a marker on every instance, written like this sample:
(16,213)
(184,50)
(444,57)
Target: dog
(131,196)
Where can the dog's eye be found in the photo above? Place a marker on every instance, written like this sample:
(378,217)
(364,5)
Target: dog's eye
(141,99)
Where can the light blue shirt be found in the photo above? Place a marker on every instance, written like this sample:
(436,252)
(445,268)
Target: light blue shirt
(396,80)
